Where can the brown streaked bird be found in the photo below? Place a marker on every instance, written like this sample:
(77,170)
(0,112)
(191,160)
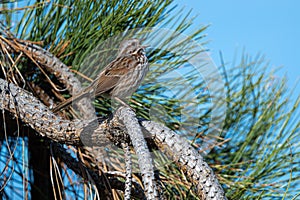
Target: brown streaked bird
(120,78)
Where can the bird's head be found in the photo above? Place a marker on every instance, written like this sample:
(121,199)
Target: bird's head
(130,46)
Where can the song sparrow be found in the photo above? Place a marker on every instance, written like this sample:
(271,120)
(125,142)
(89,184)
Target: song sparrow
(120,78)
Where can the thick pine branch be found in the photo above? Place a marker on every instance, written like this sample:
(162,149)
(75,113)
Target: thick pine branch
(32,112)
(188,159)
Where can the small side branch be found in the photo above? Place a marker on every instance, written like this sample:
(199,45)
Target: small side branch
(128,171)
(98,179)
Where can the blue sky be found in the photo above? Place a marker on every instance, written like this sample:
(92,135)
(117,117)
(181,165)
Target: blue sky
(271,28)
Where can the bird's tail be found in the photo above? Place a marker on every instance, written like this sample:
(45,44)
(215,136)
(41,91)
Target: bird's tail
(67,102)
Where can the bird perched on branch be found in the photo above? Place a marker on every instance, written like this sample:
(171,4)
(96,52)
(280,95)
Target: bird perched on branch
(120,78)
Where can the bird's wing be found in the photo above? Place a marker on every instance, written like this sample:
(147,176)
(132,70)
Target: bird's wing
(112,73)
(106,80)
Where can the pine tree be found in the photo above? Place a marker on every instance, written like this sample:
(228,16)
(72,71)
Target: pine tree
(255,153)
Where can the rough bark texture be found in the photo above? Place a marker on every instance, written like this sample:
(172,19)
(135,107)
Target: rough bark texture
(128,165)
(188,158)
(127,116)
(32,112)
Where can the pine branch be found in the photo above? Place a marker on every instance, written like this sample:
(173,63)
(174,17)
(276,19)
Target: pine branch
(128,117)
(188,159)
(46,60)
(128,165)
(31,111)
(26,107)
